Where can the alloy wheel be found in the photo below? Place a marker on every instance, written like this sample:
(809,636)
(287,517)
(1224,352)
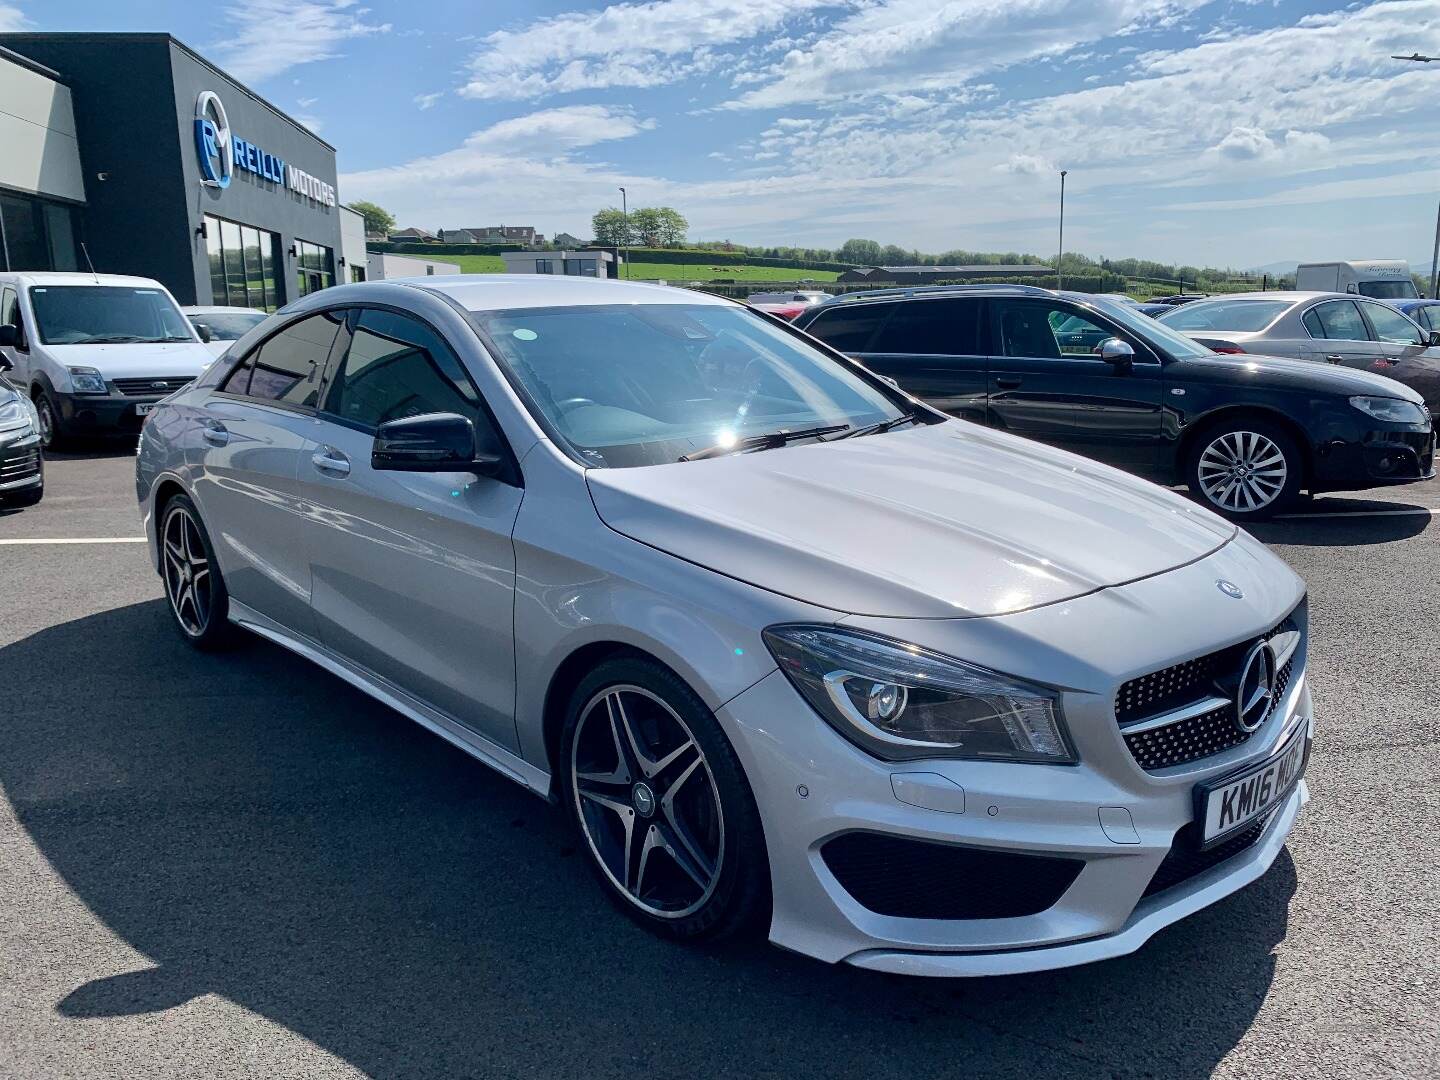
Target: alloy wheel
(1242,471)
(187,572)
(47,422)
(647,802)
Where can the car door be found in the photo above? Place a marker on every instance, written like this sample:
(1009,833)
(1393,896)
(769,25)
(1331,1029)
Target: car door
(247,446)
(19,358)
(1063,393)
(1408,355)
(413,574)
(932,347)
(1339,335)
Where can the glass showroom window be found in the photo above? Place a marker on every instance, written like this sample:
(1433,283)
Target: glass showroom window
(312,271)
(36,235)
(242,265)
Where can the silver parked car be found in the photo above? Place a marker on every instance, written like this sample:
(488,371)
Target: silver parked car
(1332,328)
(791,650)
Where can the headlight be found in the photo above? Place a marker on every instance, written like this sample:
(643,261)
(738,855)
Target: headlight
(18,416)
(1392,410)
(87,380)
(900,702)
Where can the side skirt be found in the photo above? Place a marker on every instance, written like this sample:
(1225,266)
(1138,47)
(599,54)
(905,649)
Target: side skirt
(474,744)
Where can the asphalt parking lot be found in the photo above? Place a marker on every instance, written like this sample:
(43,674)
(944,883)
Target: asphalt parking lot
(239,866)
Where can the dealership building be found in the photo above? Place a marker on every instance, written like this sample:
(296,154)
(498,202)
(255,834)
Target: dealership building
(133,154)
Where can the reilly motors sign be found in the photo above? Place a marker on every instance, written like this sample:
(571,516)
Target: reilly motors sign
(221,152)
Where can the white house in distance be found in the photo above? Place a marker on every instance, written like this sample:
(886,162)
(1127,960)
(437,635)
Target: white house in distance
(571,263)
(383,265)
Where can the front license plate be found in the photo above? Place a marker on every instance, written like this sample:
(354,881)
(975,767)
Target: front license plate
(1235,801)
(144,410)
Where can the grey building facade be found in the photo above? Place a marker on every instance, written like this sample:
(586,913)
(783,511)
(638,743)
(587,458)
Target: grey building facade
(190,177)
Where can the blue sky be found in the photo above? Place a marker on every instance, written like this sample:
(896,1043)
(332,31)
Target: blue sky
(1226,133)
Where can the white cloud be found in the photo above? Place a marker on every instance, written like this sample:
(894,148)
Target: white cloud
(272,36)
(426,101)
(623,45)
(12,19)
(928,44)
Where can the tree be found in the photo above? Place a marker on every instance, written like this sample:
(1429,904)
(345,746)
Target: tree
(865,252)
(377,218)
(673,226)
(894,255)
(610,227)
(645,225)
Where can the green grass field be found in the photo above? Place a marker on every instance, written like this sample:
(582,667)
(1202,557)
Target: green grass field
(493,264)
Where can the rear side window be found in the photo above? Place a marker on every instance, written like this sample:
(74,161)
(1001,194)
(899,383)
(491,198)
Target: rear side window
(287,366)
(397,367)
(1427,316)
(931,328)
(849,329)
(1337,319)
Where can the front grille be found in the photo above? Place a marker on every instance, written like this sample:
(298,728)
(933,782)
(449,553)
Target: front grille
(918,879)
(1185,859)
(18,463)
(149,387)
(1181,684)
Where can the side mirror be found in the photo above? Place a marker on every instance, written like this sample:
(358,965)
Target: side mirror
(206,335)
(1434,337)
(434,442)
(9,337)
(1115,351)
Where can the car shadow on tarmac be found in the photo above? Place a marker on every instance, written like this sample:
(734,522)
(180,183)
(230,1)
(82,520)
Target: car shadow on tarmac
(261,831)
(1357,522)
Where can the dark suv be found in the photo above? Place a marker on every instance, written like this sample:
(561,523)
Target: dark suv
(1246,434)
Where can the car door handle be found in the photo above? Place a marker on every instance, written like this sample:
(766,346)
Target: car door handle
(215,433)
(1009,383)
(1335,358)
(330,460)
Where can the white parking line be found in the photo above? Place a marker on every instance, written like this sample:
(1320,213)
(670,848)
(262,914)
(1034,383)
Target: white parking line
(1407,512)
(22,540)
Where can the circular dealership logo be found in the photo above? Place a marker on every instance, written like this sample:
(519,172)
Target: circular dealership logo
(1256,692)
(213,142)
(1230,589)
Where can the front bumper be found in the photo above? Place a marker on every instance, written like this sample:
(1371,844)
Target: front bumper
(1383,456)
(22,468)
(101,414)
(813,786)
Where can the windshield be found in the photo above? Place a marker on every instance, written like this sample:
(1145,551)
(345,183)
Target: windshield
(1389,290)
(229,325)
(644,384)
(95,314)
(1237,315)
(1156,333)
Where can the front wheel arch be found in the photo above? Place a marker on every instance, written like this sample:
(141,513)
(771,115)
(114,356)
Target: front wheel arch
(1204,425)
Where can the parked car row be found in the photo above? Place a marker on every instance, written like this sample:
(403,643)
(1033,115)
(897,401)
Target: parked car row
(1246,435)
(796,653)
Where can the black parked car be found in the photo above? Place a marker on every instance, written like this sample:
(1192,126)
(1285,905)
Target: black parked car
(22,473)
(1246,434)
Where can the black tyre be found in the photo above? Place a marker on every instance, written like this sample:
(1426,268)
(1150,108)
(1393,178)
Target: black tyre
(662,805)
(52,435)
(199,603)
(1247,468)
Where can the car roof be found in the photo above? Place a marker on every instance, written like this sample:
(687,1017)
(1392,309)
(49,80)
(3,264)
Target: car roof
(495,292)
(1292,296)
(45,277)
(221,309)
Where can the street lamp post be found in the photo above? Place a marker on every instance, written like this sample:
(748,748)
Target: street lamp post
(1417,58)
(1060,259)
(625,230)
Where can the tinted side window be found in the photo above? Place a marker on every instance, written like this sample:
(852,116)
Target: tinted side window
(849,329)
(1340,319)
(1430,316)
(397,367)
(1391,326)
(287,366)
(1311,320)
(931,328)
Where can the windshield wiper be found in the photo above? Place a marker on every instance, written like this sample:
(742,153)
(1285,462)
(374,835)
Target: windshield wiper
(771,441)
(876,429)
(114,339)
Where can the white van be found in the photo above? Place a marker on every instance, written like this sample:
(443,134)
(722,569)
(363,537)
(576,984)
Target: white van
(1384,279)
(94,352)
